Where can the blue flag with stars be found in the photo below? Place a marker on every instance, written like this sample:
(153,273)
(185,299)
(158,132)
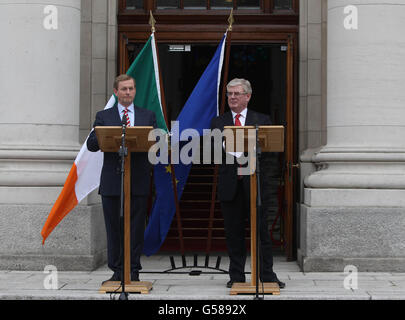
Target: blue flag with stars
(197,113)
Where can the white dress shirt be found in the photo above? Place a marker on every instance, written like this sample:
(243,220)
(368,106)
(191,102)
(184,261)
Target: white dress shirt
(242,117)
(242,120)
(131,113)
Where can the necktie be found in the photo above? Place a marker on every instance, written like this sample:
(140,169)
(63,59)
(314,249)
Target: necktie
(238,124)
(127,116)
(237,121)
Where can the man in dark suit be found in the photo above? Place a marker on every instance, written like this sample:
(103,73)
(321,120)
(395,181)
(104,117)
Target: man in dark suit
(110,180)
(234,190)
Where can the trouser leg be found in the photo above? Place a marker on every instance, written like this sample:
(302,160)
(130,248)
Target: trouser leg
(138,218)
(111,209)
(234,213)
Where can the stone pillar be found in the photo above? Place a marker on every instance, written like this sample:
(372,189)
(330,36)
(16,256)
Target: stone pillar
(354,204)
(39,124)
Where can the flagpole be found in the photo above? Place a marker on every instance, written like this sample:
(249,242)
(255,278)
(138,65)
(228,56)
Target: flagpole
(152,22)
(222,108)
(228,53)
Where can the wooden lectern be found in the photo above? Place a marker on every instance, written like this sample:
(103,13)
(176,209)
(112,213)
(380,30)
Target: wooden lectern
(136,140)
(270,139)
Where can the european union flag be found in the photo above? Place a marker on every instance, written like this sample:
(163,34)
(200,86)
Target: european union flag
(197,113)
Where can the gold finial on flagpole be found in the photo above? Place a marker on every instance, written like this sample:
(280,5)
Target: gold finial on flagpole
(230,20)
(152,21)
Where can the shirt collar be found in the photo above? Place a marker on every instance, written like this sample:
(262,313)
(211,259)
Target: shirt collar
(243,113)
(121,108)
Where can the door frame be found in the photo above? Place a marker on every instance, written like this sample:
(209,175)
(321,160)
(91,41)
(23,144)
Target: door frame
(287,35)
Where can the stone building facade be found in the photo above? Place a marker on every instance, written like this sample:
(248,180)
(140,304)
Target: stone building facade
(351,122)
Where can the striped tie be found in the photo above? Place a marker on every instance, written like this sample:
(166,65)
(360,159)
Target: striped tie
(127,116)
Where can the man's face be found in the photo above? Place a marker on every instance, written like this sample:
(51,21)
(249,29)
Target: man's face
(125,92)
(238,99)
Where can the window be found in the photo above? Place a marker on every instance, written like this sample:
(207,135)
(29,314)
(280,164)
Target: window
(134,4)
(248,4)
(283,5)
(221,4)
(267,6)
(167,4)
(195,4)
(205,4)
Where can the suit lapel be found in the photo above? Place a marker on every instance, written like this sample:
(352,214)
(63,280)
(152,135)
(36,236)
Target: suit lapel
(114,116)
(228,120)
(250,118)
(140,119)
(116,121)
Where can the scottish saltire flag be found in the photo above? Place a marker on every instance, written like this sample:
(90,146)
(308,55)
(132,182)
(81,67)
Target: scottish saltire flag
(84,176)
(197,113)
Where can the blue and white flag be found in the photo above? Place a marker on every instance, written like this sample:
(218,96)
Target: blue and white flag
(197,113)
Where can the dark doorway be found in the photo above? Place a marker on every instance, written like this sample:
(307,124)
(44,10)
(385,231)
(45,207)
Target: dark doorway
(264,65)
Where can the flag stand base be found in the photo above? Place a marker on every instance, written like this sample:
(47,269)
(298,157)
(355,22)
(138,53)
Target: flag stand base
(133,287)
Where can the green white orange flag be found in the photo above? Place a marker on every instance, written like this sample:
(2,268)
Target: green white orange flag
(84,176)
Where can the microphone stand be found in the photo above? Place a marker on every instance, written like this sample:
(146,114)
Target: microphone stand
(123,152)
(258,211)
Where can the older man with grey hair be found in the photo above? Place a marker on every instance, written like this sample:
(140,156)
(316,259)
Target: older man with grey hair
(234,190)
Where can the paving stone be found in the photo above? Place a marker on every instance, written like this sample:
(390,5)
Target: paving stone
(25,285)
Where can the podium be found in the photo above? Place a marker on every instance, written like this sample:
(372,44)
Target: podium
(136,140)
(269,139)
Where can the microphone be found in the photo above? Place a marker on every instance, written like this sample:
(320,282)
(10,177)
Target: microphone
(124,126)
(124,120)
(123,150)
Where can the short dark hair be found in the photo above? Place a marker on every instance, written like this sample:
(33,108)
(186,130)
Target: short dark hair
(122,77)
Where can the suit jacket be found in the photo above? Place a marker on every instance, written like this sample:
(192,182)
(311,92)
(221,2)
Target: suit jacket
(110,180)
(228,177)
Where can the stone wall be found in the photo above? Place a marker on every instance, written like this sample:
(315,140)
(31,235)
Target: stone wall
(352,208)
(53,81)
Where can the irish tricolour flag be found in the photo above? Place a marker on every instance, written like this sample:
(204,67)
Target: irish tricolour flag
(84,176)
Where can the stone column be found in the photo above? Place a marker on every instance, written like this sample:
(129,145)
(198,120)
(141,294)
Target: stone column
(354,204)
(40,96)
(39,125)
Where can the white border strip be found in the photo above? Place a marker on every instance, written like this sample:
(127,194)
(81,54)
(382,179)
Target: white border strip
(221,60)
(156,69)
